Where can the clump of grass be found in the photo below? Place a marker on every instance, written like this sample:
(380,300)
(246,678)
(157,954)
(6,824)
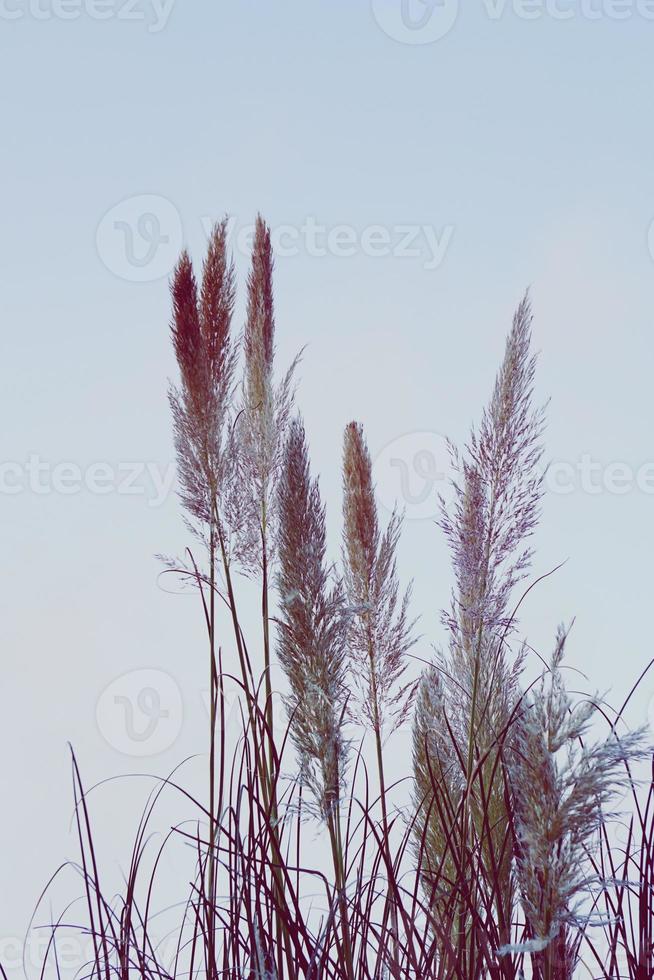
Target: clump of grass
(560,791)
(505,856)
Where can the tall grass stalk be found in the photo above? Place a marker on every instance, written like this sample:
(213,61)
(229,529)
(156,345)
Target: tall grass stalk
(380,633)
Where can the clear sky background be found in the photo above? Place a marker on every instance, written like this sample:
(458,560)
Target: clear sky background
(517,149)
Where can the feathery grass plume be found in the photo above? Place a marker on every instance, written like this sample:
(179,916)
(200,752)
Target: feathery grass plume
(206,358)
(265,411)
(435,765)
(560,788)
(311,649)
(380,633)
(311,629)
(468,695)
(498,499)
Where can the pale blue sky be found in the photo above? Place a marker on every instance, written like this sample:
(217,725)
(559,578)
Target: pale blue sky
(527,150)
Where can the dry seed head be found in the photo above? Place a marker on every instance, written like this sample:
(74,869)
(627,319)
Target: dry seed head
(361,532)
(200,404)
(260,324)
(311,629)
(264,416)
(380,633)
